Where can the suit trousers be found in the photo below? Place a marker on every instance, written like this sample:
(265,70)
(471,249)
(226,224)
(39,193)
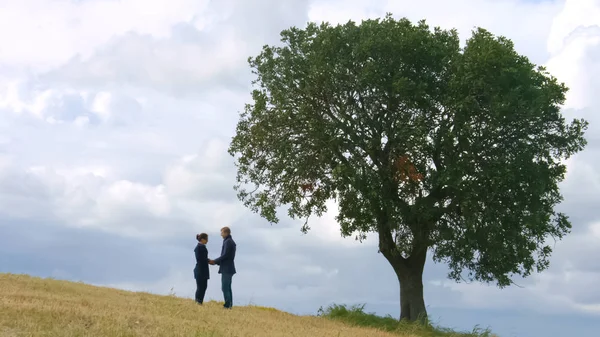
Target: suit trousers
(226,288)
(201,285)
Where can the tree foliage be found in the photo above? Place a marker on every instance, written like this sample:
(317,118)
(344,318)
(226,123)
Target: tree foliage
(434,146)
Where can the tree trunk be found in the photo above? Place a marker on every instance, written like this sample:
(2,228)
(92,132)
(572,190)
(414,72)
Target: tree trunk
(410,275)
(412,302)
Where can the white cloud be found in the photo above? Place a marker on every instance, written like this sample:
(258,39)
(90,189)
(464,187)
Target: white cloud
(204,177)
(51,32)
(576,15)
(567,67)
(12,100)
(171,64)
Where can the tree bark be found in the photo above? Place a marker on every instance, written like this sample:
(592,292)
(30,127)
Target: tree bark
(410,276)
(412,302)
(408,270)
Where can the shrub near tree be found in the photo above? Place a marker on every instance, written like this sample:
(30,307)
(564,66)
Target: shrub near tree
(439,149)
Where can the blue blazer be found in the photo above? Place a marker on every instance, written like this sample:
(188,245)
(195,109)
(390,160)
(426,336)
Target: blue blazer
(201,270)
(225,261)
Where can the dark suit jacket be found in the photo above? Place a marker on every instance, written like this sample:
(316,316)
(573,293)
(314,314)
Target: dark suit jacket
(201,269)
(225,261)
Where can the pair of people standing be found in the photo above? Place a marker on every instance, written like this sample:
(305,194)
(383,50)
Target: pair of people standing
(225,262)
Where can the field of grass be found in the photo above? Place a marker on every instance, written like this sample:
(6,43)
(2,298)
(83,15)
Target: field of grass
(31,306)
(357,317)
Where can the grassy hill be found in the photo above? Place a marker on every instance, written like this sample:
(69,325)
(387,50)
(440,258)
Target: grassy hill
(31,306)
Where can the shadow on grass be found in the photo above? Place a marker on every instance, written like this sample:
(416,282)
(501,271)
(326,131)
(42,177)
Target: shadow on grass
(356,315)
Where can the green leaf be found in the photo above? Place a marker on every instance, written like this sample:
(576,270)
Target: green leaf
(432,146)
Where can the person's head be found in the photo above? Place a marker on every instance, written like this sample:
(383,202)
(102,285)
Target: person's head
(202,238)
(225,232)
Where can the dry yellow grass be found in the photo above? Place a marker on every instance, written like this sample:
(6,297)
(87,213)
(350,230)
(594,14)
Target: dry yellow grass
(32,306)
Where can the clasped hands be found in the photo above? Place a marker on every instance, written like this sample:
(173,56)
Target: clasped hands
(211,262)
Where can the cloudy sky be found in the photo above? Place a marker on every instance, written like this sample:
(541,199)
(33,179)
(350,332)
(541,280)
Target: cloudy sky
(115,116)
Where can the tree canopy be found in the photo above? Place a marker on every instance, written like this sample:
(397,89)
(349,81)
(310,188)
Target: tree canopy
(436,147)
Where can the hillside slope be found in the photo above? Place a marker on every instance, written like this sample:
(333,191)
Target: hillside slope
(32,306)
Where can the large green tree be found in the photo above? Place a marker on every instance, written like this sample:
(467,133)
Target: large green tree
(439,148)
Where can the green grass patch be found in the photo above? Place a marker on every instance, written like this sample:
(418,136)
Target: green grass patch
(355,315)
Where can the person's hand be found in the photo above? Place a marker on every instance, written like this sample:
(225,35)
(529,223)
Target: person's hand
(211,262)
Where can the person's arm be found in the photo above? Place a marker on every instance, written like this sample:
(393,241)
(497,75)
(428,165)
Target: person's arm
(203,255)
(198,254)
(227,252)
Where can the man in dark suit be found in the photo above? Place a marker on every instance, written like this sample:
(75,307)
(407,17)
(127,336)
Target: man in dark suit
(201,272)
(226,265)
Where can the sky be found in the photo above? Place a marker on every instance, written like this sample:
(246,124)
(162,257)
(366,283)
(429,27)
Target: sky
(115,117)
